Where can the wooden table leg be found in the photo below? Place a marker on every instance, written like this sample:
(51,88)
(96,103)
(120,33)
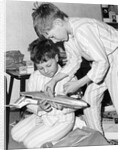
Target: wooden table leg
(22,89)
(7,114)
(22,85)
(10,89)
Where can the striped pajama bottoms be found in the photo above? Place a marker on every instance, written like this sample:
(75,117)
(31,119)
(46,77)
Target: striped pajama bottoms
(34,135)
(95,92)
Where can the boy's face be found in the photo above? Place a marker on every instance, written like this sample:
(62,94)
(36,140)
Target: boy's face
(48,68)
(58,32)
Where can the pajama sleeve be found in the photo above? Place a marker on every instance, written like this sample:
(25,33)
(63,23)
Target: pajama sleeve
(91,44)
(31,87)
(73,59)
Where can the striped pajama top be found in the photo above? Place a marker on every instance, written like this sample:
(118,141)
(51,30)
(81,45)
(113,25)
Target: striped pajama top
(93,40)
(36,82)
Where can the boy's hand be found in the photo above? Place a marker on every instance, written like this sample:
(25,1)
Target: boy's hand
(44,105)
(57,106)
(49,88)
(71,87)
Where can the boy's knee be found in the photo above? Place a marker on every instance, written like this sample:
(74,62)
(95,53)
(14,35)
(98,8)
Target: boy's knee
(29,144)
(14,134)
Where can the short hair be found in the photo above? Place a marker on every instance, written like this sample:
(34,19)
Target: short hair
(42,50)
(44,15)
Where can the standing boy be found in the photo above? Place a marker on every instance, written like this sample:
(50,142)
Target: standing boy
(83,37)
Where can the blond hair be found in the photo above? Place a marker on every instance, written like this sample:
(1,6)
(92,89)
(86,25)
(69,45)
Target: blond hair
(44,15)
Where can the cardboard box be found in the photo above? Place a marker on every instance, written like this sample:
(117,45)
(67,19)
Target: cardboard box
(30,70)
(22,70)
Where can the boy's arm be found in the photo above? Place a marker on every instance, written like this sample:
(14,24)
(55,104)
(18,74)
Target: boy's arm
(73,86)
(74,60)
(95,49)
(50,86)
(31,87)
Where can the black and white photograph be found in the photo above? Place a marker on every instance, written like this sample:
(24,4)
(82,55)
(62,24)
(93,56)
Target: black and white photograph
(60,75)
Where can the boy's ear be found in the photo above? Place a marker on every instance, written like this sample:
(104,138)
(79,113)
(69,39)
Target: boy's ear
(58,21)
(56,58)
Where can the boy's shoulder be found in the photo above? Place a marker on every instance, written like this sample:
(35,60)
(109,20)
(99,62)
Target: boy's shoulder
(77,22)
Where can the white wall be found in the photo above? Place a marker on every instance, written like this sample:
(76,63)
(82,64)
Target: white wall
(19,27)
(81,10)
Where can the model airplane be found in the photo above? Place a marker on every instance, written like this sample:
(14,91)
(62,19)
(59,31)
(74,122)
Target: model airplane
(33,98)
